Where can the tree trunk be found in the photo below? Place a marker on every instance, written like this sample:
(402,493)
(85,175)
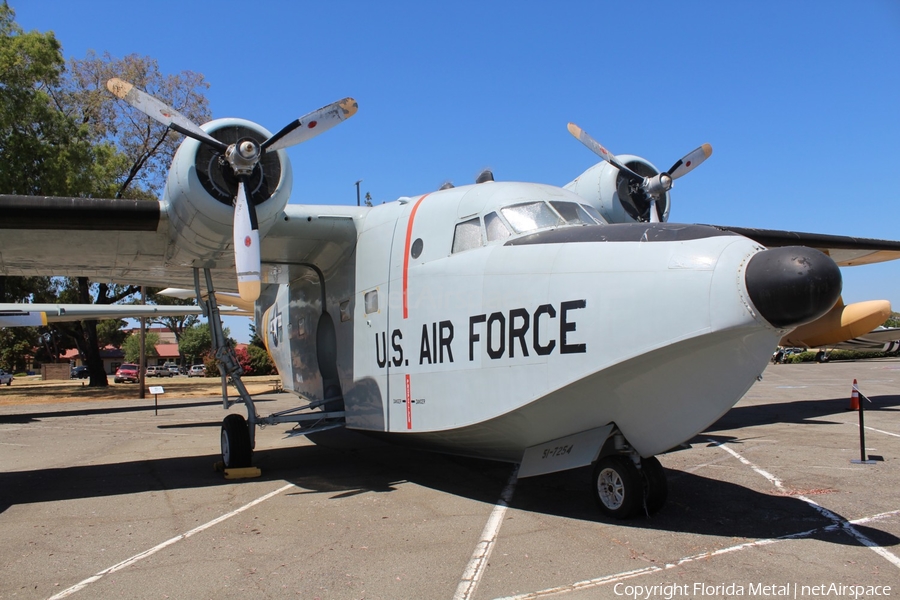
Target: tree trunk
(91,350)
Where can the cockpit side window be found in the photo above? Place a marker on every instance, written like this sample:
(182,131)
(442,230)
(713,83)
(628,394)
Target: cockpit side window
(573,213)
(495,227)
(593,212)
(530,216)
(467,235)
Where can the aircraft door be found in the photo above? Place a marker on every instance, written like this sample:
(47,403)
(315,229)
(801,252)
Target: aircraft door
(366,403)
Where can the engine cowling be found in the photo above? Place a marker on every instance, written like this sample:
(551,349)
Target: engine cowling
(612,194)
(201,188)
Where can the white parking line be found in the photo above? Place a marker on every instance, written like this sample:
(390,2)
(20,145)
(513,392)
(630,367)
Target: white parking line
(475,569)
(884,432)
(834,518)
(625,575)
(141,556)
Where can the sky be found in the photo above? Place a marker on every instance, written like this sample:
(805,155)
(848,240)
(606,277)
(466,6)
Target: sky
(799,100)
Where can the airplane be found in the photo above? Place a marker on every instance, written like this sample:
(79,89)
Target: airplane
(553,327)
(880,339)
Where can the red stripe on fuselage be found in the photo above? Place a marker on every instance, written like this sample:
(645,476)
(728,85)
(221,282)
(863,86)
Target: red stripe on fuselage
(409,227)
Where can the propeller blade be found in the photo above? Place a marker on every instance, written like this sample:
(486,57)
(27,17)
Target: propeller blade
(582,136)
(311,125)
(246,245)
(156,109)
(690,162)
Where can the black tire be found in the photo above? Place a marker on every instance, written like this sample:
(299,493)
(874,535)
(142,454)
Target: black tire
(617,487)
(656,489)
(236,450)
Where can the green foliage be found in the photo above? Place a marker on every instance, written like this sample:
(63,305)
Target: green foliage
(43,151)
(212,365)
(132,346)
(110,332)
(16,343)
(893,320)
(196,342)
(260,363)
(834,355)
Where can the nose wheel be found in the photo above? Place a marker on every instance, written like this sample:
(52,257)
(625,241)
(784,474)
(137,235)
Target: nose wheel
(622,491)
(237,451)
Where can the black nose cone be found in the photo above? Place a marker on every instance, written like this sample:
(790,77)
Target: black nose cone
(793,285)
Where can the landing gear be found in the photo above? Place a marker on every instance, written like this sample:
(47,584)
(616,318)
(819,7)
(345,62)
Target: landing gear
(622,491)
(617,486)
(656,490)
(237,450)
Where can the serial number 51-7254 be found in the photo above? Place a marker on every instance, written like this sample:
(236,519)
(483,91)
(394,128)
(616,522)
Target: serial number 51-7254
(557,451)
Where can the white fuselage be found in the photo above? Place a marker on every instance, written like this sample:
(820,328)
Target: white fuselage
(508,343)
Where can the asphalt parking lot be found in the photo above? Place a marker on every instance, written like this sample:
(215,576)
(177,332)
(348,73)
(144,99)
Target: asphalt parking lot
(107,500)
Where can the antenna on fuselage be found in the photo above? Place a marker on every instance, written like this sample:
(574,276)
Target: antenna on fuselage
(486,175)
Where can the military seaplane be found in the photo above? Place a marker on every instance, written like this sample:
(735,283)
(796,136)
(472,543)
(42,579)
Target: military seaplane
(554,327)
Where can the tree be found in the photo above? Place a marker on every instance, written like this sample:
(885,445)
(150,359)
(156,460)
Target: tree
(176,324)
(196,342)
(63,134)
(132,346)
(42,150)
(147,145)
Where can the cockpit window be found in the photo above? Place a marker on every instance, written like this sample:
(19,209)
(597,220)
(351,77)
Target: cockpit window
(496,229)
(572,213)
(530,216)
(593,212)
(467,235)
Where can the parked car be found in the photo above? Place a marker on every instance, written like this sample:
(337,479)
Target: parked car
(174,370)
(81,372)
(158,371)
(197,371)
(5,377)
(126,372)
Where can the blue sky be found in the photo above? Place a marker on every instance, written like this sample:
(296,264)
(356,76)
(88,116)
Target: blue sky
(799,100)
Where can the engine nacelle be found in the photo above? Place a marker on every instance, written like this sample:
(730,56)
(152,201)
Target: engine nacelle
(612,194)
(200,194)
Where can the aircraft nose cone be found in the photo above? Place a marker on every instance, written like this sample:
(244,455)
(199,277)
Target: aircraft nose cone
(793,285)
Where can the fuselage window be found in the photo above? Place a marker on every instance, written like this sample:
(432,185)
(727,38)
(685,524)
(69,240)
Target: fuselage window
(530,216)
(495,228)
(467,235)
(371,302)
(572,213)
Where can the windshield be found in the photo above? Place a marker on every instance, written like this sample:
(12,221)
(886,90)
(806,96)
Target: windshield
(530,216)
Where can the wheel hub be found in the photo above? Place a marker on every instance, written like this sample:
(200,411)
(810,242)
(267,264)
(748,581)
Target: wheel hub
(611,488)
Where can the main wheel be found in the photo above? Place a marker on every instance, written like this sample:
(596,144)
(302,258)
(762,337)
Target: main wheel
(656,489)
(236,450)
(618,489)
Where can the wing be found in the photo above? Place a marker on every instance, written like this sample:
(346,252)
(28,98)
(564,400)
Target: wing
(136,242)
(844,250)
(31,315)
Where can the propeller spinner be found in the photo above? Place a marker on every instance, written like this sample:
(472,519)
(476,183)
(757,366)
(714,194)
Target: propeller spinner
(243,156)
(652,187)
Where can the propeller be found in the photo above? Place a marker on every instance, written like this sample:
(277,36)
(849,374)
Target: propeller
(243,157)
(652,187)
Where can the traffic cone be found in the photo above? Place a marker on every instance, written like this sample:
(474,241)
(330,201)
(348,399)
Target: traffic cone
(854,397)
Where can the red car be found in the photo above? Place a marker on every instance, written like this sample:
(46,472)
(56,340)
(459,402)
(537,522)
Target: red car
(126,372)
